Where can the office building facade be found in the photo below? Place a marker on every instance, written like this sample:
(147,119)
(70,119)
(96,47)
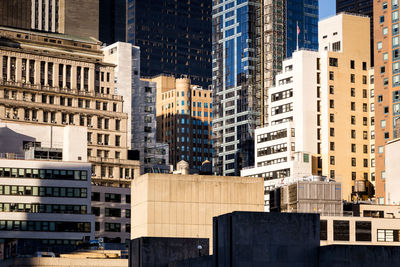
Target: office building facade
(140,104)
(174,36)
(60,89)
(44,204)
(184,120)
(310,98)
(387,106)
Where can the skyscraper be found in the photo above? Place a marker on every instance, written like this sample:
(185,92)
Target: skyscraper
(174,36)
(387,81)
(250,40)
(237,95)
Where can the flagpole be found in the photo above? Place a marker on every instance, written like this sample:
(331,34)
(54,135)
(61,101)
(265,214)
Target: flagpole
(297,35)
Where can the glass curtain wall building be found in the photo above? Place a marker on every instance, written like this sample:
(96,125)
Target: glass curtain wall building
(250,40)
(174,37)
(236,36)
(303,13)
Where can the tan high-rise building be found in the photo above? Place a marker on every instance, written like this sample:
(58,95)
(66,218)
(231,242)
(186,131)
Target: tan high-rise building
(387,82)
(53,79)
(344,47)
(74,17)
(184,120)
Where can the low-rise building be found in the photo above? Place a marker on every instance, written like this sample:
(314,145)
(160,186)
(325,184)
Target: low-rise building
(44,205)
(168,205)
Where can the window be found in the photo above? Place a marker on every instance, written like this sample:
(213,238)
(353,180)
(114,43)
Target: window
(333,62)
(116,198)
(353,176)
(386,110)
(353,92)
(331,76)
(331,89)
(363,231)
(323,230)
(352,64)
(332,146)
(332,160)
(353,162)
(379,45)
(384,5)
(386,135)
(341,230)
(353,120)
(96,211)
(353,148)
(385,56)
(380,149)
(353,106)
(352,78)
(332,132)
(332,117)
(395,16)
(353,134)
(112,212)
(381,19)
(383,123)
(112,227)
(395,29)
(331,103)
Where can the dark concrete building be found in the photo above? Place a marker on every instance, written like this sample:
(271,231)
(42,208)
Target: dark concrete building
(16,14)
(362,7)
(260,239)
(73,17)
(174,36)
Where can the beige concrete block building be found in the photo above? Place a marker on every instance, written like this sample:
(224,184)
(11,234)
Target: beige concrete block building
(345,57)
(184,205)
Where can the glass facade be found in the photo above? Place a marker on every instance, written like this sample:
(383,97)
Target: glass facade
(236,33)
(249,43)
(174,37)
(112,17)
(305,14)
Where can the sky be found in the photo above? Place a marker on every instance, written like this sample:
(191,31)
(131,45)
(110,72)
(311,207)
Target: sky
(327,8)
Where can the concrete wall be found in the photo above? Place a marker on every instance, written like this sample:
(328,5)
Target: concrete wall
(392,172)
(58,262)
(265,239)
(184,205)
(359,256)
(156,251)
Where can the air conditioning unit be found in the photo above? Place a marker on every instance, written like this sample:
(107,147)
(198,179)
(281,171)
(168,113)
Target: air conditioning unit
(110,176)
(89,142)
(91,126)
(127,176)
(93,174)
(53,122)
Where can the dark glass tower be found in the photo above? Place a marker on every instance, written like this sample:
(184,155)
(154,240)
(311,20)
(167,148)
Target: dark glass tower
(363,7)
(174,37)
(112,17)
(303,13)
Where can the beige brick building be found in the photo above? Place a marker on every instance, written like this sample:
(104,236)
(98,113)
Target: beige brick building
(184,120)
